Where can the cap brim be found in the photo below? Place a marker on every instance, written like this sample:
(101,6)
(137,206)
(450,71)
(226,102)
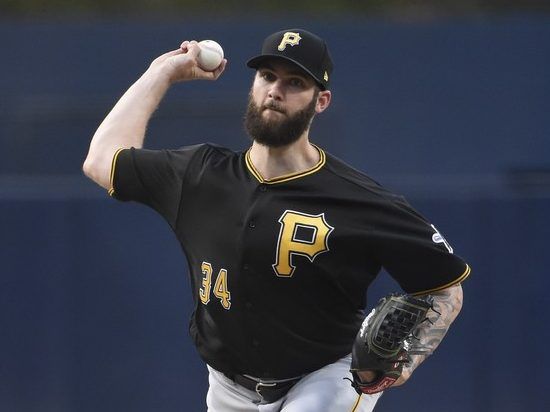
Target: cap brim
(256,62)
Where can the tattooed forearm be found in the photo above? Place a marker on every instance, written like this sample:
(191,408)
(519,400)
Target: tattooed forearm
(447,305)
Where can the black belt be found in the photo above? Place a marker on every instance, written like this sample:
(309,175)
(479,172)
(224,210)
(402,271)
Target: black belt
(270,391)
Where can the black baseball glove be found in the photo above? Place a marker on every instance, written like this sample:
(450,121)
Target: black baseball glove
(382,344)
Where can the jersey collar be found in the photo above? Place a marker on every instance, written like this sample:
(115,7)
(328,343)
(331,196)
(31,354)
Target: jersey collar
(285,178)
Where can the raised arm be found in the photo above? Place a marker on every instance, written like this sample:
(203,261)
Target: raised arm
(125,125)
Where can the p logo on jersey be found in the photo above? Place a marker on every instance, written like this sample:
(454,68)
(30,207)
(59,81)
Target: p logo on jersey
(289,39)
(301,234)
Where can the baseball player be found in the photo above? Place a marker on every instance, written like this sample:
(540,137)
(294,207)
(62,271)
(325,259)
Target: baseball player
(282,239)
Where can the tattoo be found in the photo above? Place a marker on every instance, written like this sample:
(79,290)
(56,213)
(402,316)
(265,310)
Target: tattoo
(447,305)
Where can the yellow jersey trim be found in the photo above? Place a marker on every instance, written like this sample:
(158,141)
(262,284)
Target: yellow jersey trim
(287,177)
(112,175)
(454,282)
(356,404)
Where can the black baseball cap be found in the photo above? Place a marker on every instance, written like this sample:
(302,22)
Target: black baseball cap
(307,50)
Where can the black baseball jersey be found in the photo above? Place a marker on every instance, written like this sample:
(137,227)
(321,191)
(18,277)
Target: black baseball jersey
(279,268)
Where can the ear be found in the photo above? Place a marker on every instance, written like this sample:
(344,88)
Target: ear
(323,101)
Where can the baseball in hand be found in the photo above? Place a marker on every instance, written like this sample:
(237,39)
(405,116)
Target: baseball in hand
(210,56)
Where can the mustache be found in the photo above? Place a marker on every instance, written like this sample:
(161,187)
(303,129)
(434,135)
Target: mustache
(273,106)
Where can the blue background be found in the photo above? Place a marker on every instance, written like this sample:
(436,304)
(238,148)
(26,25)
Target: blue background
(94,294)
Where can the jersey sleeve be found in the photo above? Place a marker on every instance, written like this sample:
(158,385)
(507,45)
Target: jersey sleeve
(152,177)
(413,251)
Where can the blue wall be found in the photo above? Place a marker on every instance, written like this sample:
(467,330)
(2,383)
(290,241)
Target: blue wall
(94,298)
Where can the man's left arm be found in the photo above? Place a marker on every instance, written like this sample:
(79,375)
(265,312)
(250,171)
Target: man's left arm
(447,305)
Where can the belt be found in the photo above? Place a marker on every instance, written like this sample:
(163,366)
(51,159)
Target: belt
(269,390)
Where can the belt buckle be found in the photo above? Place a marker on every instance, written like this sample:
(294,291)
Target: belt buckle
(261,384)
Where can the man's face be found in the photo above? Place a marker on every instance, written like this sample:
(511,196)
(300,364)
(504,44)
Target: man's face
(281,104)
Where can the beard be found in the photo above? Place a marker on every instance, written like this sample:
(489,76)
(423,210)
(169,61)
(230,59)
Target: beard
(277,133)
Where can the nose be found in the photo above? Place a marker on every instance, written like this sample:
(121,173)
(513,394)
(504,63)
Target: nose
(275,91)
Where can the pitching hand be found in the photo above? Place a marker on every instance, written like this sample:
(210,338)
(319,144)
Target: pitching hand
(181,64)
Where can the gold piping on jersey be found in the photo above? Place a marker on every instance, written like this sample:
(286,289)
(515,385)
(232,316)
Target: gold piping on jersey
(356,404)
(112,175)
(454,282)
(291,176)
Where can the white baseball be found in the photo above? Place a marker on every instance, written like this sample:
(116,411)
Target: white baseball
(210,56)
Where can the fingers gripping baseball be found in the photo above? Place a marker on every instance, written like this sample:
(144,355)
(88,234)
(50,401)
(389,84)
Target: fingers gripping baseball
(182,64)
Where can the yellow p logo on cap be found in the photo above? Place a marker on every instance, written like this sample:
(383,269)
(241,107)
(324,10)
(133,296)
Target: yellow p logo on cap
(289,39)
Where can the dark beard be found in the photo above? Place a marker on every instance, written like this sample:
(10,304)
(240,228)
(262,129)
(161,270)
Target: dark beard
(277,133)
